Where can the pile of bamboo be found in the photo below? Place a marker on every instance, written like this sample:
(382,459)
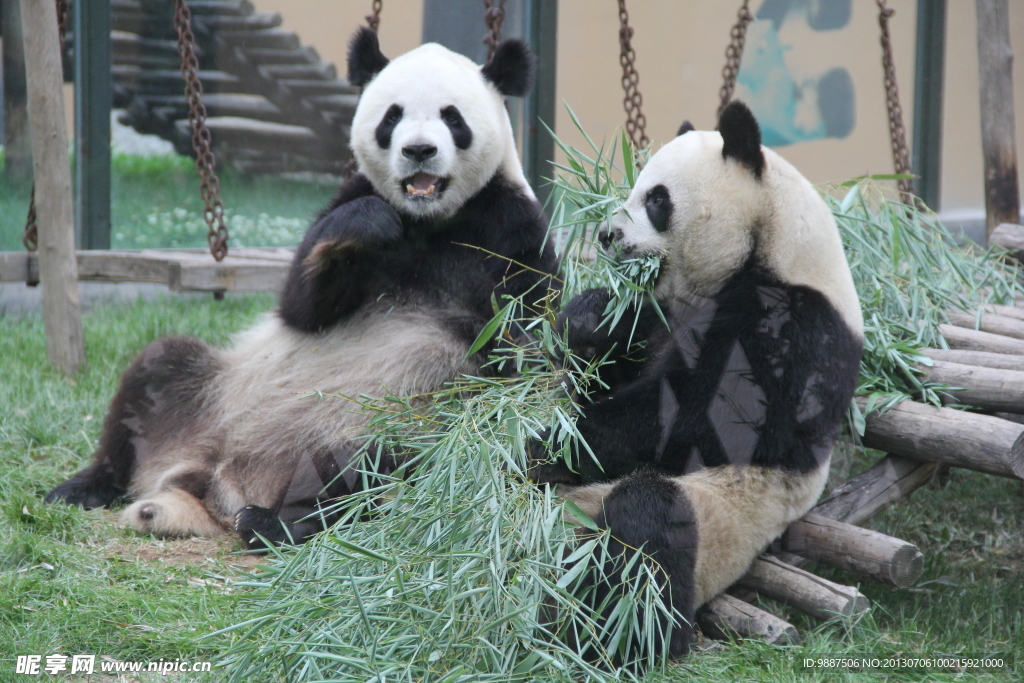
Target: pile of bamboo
(273,104)
(985,362)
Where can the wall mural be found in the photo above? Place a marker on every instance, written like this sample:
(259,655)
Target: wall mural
(795,97)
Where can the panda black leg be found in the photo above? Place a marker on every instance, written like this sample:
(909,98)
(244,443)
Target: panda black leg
(89,489)
(329,272)
(649,511)
(259,527)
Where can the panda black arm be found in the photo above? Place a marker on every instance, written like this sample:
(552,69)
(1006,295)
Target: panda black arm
(336,258)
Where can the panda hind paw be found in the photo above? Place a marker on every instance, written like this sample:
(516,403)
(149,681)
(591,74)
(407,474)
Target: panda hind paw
(259,527)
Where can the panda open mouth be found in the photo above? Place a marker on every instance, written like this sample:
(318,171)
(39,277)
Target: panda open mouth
(424,186)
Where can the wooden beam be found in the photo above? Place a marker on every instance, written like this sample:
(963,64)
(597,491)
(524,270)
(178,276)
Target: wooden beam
(62,315)
(999,361)
(726,617)
(988,388)
(890,479)
(818,597)
(955,437)
(973,340)
(854,549)
(989,322)
(998,138)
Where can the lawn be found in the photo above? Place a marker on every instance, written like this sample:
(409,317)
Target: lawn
(155,202)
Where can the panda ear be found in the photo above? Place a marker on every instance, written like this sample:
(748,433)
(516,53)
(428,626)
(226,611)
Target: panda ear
(511,68)
(364,57)
(741,137)
(685,128)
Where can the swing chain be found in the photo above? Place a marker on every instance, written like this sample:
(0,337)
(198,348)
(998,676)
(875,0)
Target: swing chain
(636,122)
(213,213)
(31,237)
(897,133)
(494,14)
(373,18)
(734,55)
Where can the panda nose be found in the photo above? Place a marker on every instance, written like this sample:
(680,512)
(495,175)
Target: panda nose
(419,152)
(608,236)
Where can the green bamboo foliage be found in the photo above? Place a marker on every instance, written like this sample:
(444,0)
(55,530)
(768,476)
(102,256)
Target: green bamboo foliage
(463,570)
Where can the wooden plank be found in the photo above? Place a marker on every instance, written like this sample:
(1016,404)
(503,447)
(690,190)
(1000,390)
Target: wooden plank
(955,437)
(14,266)
(818,597)
(973,340)
(999,361)
(726,617)
(321,71)
(854,549)
(890,479)
(247,276)
(998,136)
(62,314)
(276,38)
(263,135)
(989,322)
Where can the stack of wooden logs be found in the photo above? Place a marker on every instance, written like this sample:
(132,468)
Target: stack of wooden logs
(273,104)
(986,365)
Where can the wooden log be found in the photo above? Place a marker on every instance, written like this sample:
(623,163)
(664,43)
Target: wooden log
(62,314)
(321,71)
(254,22)
(998,136)
(984,359)
(988,388)
(973,340)
(277,38)
(305,88)
(945,435)
(727,617)
(267,55)
(1008,311)
(1009,236)
(854,549)
(890,479)
(989,322)
(818,597)
(233,8)
(243,133)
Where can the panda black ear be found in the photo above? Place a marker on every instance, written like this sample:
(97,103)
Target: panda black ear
(511,68)
(364,57)
(741,137)
(685,128)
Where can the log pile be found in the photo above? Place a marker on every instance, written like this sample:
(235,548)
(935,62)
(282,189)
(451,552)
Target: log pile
(984,368)
(273,104)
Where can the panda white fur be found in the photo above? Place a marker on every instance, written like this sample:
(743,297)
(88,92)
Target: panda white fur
(717,434)
(387,292)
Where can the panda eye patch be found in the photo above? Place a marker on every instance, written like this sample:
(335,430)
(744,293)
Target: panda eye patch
(659,207)
(462,135)
(387,125)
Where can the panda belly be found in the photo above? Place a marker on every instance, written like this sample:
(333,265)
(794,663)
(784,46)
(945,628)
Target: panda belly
(739,511)
(285,400)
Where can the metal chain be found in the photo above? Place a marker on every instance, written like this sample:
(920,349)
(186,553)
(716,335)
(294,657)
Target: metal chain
(897,133)
(373,18)
(31,236)
(636,122)
(209,185)
(734,55)
(494,14)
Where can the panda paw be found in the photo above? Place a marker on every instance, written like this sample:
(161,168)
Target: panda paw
(364,223)
(580,320)
(258,527)
(543,469)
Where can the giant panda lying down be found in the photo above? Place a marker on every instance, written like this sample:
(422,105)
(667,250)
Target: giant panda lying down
(387,292)
(717,433)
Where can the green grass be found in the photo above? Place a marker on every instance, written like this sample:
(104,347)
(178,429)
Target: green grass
(155,202)
(73,582)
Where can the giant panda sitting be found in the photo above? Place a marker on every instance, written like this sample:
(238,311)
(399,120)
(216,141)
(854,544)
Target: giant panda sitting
(387,292)
(717,433)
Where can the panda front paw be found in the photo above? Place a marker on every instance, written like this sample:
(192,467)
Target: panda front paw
(543,469)
(259,527)
(580,320)
(364,223)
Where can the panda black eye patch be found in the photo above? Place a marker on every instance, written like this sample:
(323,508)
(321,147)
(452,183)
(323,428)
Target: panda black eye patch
(462,135)
(659,207)
(387,125)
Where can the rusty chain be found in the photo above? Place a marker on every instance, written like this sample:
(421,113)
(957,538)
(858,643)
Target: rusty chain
(897,133)
(734,55)
(494,15)
(636,122)
(373,18)
(31,236)
(209,184)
